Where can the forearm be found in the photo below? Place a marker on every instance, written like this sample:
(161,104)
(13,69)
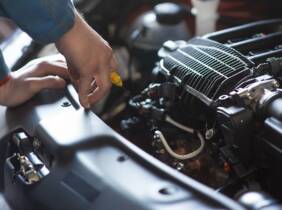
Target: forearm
(74,34)
(70,43)
(75,43)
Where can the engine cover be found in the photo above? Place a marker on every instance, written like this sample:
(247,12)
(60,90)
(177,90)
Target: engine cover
(212,65)
(207,68)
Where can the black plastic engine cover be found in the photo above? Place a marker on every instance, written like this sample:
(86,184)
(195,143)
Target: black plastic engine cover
(207,68)
(213,65)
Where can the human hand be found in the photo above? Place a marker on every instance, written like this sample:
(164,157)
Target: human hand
(32,78)
(90,61)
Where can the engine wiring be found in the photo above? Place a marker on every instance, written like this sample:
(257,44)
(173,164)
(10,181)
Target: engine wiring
(178,125)
(140,103)
(191,155)
(187,129)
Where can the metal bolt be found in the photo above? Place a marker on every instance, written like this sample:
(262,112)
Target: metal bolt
(66,104)
(121,158)
(36,144)
(168,190)
(178,165)
(276,84)
(209,134)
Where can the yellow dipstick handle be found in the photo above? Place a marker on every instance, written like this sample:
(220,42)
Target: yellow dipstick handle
(116,79)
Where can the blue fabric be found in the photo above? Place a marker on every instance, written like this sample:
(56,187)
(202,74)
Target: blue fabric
(44,20)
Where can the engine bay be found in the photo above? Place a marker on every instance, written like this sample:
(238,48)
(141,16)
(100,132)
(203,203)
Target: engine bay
(212,110)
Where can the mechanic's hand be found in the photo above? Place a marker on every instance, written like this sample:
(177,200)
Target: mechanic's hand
(31,79)
(90,61)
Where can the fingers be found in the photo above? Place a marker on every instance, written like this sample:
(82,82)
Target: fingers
(54,68)
(102,83)
(37,84)
(84,86)
(96,95)
(58,58)
(91,90)
(103,86)
(93,86)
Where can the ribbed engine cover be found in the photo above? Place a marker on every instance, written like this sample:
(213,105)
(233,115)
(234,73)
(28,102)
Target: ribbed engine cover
(206,68)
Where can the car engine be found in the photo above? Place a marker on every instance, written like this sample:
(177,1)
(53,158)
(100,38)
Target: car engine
(196,125)
(213,110)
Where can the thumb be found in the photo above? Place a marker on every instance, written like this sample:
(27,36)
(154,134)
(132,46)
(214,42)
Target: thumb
(48,82)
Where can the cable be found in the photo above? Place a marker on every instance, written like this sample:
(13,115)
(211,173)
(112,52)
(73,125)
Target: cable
(177,156)
(178,125)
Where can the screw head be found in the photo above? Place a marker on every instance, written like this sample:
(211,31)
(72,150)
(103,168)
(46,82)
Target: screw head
(66,104)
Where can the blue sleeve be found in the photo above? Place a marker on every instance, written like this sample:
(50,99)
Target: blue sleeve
(4,71)
(44,20)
